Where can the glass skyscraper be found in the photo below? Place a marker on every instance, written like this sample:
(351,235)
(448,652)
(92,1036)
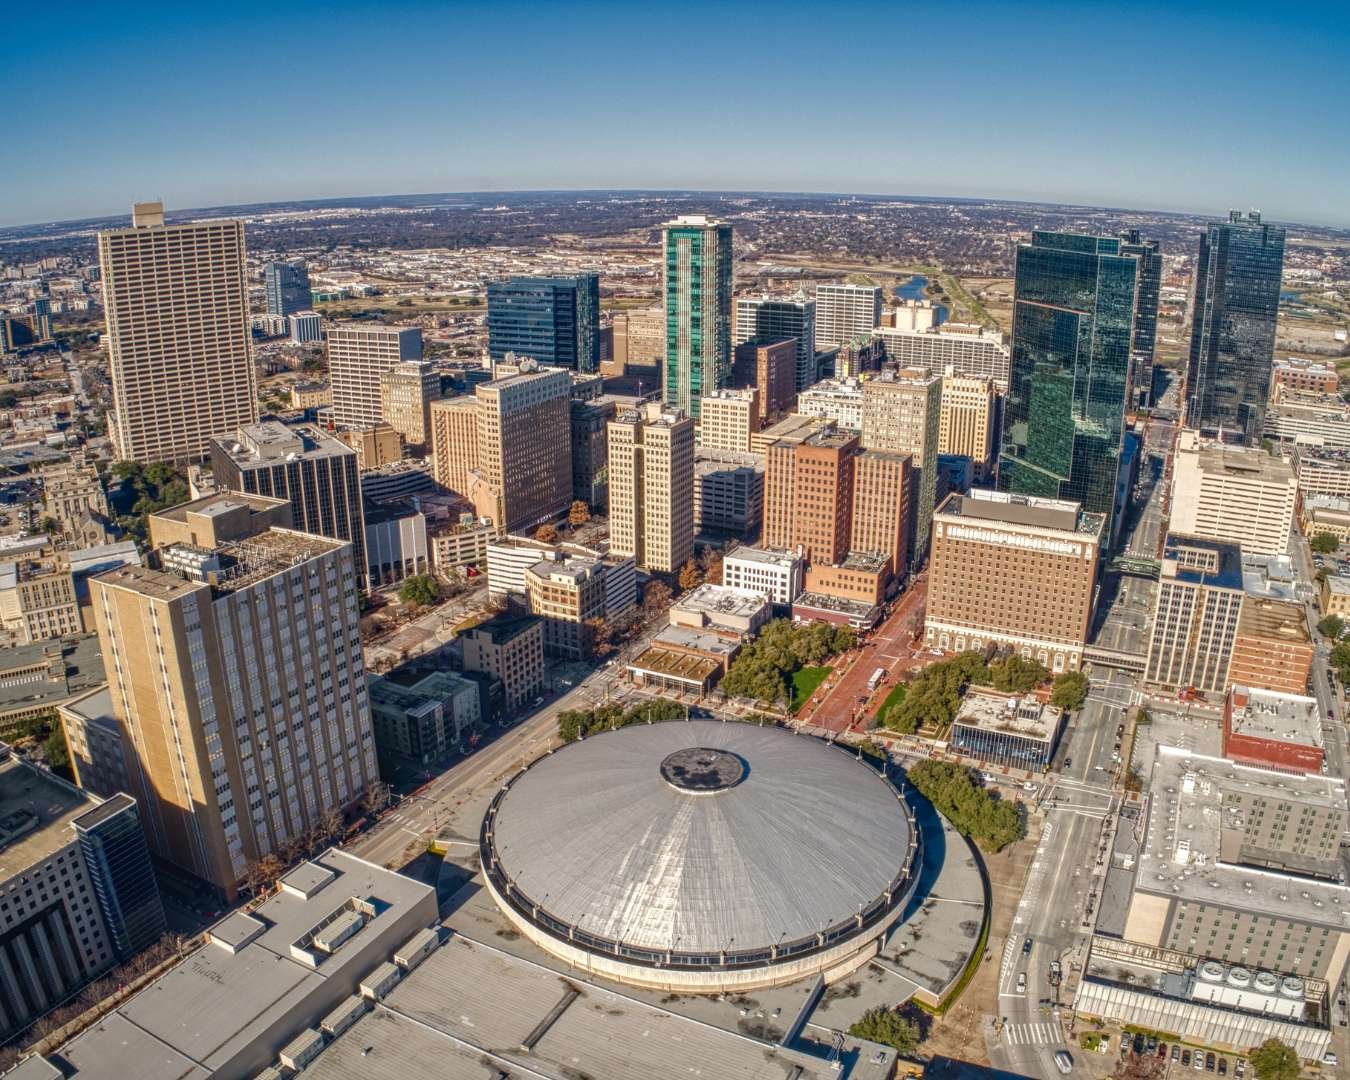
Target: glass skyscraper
(1237,300)
(1073,322)
(287,287)
(554,320)
(1144,343)
(698,310)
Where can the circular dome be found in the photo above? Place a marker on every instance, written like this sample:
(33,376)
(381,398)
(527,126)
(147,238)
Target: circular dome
(701,848)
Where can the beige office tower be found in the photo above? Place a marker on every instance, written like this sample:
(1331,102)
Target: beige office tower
(524,471)
(358,356)
(236,677)
(728,420)
(176,306)
(406,392)
(969,416)
(902,411)
(454,442)
(651,487)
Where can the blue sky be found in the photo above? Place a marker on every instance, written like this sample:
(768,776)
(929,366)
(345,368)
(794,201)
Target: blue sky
(1188,106)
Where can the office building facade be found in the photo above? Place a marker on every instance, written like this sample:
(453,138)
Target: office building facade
(236,675)
(762,320)
(883,484)
(770,368)
(1144,339)
(651,487)
(1196,617)
(176,306)
(287,287)
(697,283)
(590,451)
(316,473)
(1013,571)
(952,348)
(358,356)
(968,425)
(728,419)
(1236,306)
(1240,495)
(728,492)
(808,495)
(553,320)
(845,312)
(406,392)
(1073,321)
(524,472)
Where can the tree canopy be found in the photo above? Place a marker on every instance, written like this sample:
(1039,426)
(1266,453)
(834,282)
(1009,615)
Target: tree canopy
(764,667)
(574,724)
(975,811)
(1324,543)
(1332,626)
(888,1027)
(1070,691)
(1274,1060)
(935,693)
(419,590)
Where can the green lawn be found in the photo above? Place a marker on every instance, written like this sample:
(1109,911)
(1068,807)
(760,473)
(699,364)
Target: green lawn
(804,683)
(897,695)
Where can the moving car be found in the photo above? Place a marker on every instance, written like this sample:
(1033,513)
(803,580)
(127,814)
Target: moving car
(1026,947)
(1063,1062)
(1021,982)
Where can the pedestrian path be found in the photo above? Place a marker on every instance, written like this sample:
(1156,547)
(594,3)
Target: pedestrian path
(1041,1034)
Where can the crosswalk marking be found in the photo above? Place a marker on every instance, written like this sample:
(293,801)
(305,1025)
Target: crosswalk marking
(1043,1034)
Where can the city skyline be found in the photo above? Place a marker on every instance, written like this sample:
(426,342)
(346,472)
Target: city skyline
(197,137)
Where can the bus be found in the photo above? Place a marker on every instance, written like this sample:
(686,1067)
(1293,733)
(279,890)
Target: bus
(876,678)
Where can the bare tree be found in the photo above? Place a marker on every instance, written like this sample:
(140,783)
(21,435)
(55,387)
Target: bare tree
(376,797)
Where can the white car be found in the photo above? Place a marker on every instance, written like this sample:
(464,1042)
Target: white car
(1063,1062)
(1021,982)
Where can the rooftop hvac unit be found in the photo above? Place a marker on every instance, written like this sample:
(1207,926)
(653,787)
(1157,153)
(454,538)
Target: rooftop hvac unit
(1211,971)
(1291,986)
(1239,976)
(1265,982)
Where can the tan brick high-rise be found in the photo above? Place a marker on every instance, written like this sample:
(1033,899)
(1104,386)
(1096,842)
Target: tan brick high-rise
(236,677)
(651,487)
(176,305)
(902,411)
(969,416)
(454,442)
(1013,571)
(524,425)
(882,506)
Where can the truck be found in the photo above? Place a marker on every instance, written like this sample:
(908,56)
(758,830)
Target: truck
(875,680)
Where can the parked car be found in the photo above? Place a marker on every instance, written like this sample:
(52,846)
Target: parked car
(1176,1051)
(1185,1059)
(1209,1062)
(1198,1060)
(1223,1066)
(1162,1049)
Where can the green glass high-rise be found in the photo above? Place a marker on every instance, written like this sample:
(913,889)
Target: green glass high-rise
(698,310)
(1073,321)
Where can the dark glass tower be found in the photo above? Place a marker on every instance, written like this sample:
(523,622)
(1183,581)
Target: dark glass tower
(1237,300)
(555,320)
(287,285)
(1145,340)
(118,860)
(698,310)
(1073,321)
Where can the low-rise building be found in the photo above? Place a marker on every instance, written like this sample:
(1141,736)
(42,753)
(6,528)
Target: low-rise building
(375,445)
(683,661)
(569,595)
(777,573)
(1273,730)
(463,543)
(396,541)
(722,609)
(861,577)
(37,600)
(423,717)
(306,328)
(1326,514)
(511,647)
(1002,729)
(1312,418)
(79,893)
(1296,373)
(727,419)
(1240,864)
(311,395)
(839,399)
(262,980)
(1336,596)
(1320,471)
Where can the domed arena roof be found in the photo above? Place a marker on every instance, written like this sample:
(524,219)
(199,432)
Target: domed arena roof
(702,837)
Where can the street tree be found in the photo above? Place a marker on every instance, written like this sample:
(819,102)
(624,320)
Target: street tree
(578,514)
(419,590)
(1324,543)
(1275,1060)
